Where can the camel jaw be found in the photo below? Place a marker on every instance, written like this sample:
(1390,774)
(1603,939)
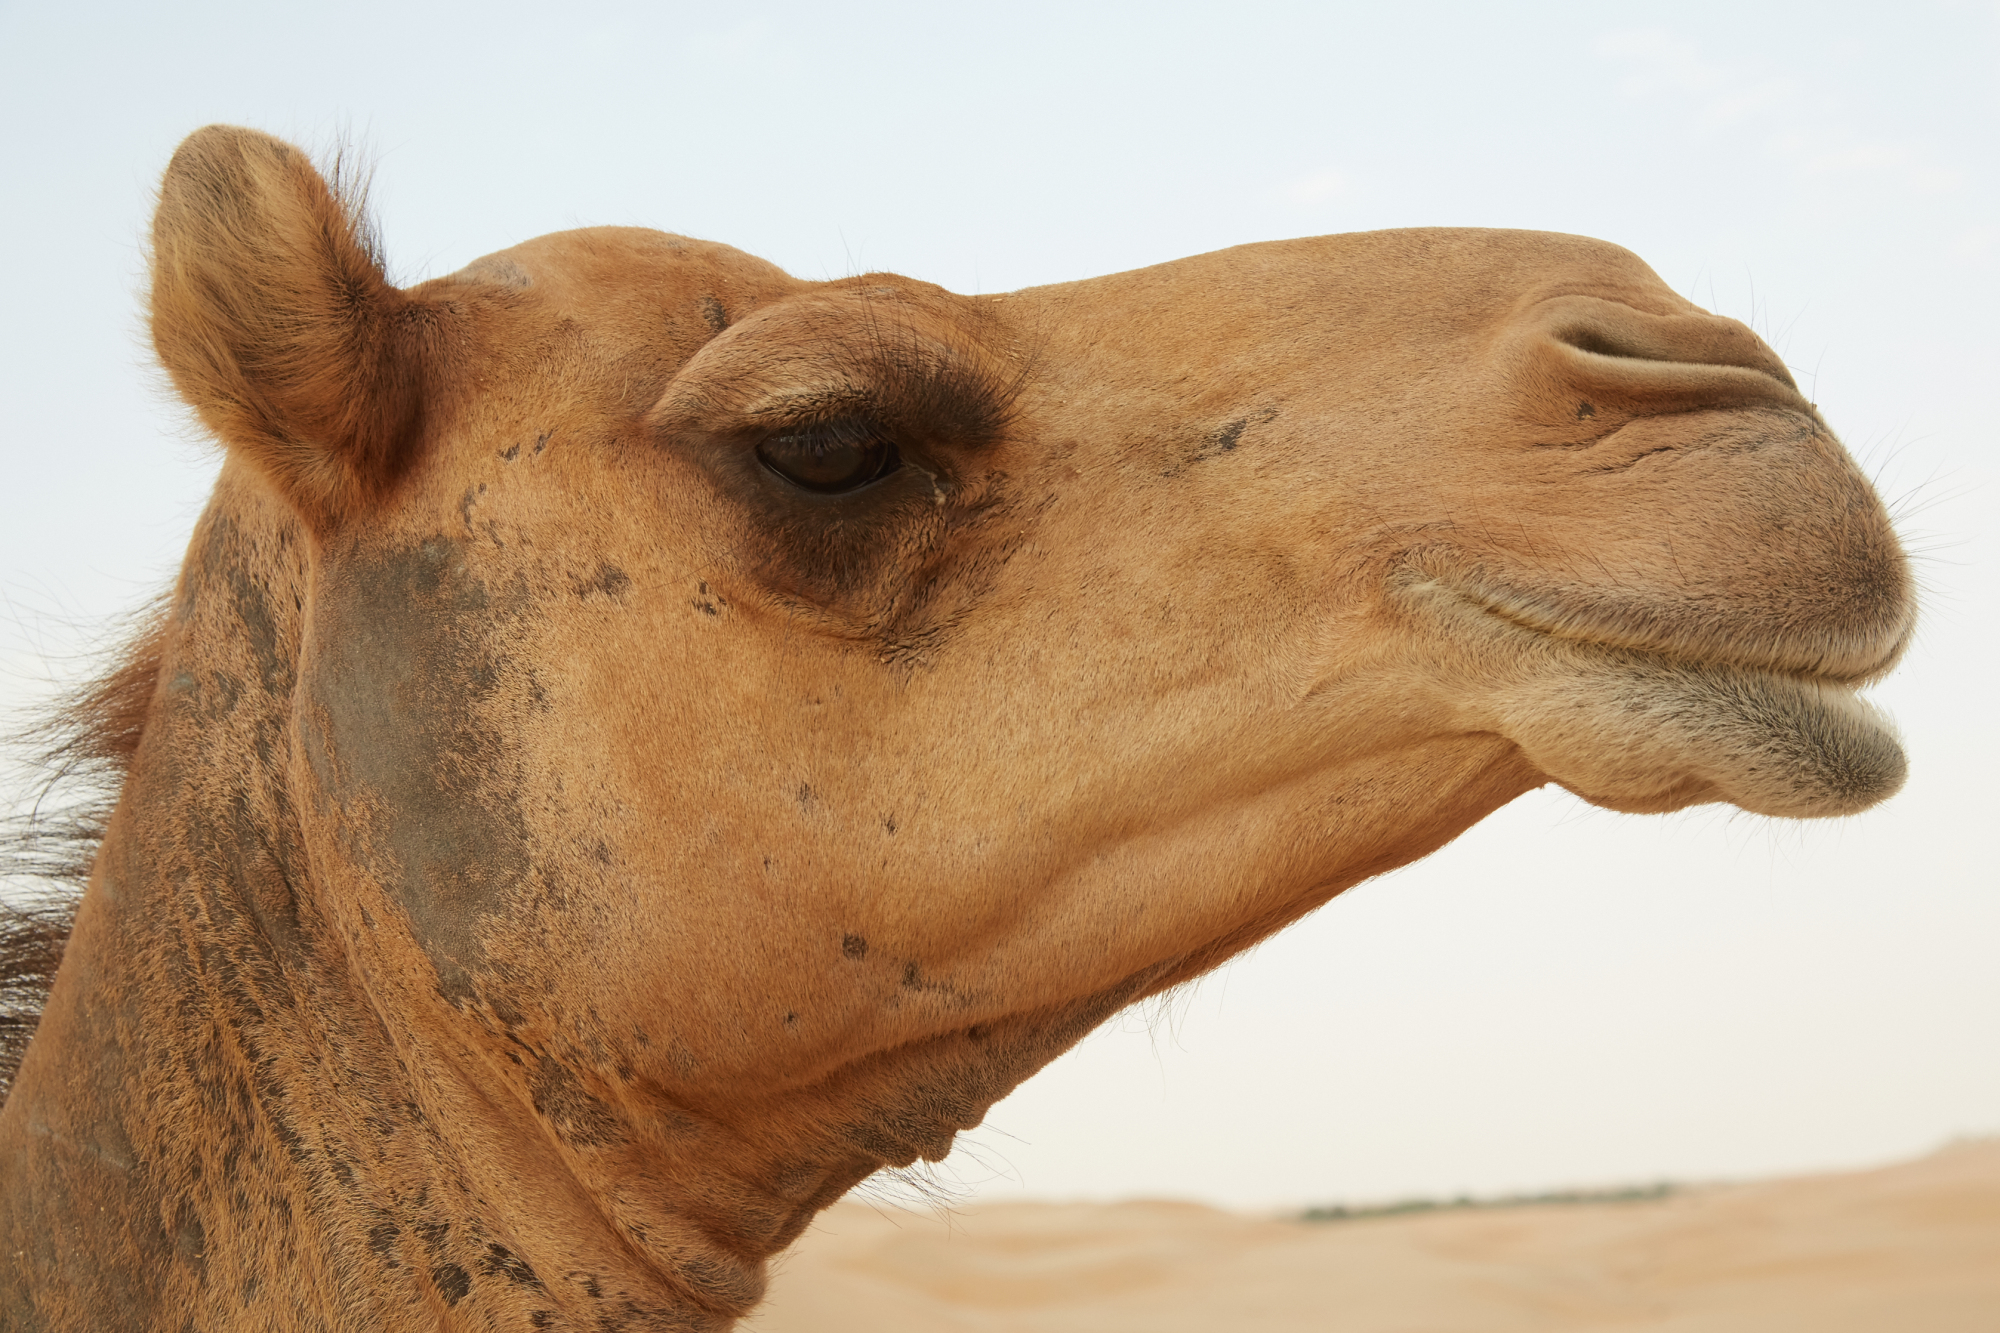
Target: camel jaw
(1648,732)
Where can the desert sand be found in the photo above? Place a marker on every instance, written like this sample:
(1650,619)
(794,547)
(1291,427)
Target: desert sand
(1912,1248)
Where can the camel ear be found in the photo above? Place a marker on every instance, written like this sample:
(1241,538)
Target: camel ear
(271,313)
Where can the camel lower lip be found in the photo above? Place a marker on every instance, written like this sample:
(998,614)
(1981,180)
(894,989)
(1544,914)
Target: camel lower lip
(1646,731)
(1637,732)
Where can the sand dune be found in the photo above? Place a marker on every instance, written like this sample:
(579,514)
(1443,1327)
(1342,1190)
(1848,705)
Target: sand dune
(1913,1248)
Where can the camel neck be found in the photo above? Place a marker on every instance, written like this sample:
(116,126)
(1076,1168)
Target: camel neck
(221,1125)
(210,1075)
(154,1091)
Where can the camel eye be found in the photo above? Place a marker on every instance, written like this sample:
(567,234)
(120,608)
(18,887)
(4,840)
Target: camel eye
(832,457)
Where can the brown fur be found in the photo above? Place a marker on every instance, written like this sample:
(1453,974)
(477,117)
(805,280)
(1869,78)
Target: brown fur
(557,856)
(84,750)
(271,312)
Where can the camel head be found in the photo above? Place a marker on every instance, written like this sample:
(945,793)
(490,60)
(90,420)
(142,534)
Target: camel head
(740,726)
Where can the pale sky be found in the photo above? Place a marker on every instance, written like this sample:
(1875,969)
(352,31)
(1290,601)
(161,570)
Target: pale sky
(1562,997)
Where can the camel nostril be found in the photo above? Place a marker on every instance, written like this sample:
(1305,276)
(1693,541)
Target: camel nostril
(1598,342)
(1610,353)
(1607,329)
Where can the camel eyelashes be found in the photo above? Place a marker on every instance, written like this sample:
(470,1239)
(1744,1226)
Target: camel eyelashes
(831,457)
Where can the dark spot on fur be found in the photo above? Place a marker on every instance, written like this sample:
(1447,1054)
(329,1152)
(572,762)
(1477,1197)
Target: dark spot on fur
(889,825)
(910,975)
(191,1243)
(433,1235)
(281,1126)
(500,1261)
(1215,443)
(542,440)
(805,796)
(609,580)
(1585,410)
(579,1119)
(252,603)
(452,1282)
(512,451)
(416,646)
(712,311)
(853,946)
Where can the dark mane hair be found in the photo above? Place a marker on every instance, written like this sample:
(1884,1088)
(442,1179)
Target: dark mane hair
(83,749)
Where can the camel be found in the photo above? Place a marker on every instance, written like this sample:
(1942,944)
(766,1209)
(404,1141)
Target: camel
(641,742)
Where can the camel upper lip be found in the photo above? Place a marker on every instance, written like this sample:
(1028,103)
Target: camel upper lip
(1589,628)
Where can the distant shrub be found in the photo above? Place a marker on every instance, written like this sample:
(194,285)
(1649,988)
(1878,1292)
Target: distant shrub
(1356,1212)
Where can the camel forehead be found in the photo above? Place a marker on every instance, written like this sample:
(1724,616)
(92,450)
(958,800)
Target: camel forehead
(592,263)
(1458,268)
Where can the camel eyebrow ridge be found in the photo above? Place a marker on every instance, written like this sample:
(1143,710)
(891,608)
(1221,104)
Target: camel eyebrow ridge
(925,387)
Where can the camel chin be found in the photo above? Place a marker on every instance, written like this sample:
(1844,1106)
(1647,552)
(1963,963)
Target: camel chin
(1646,735)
